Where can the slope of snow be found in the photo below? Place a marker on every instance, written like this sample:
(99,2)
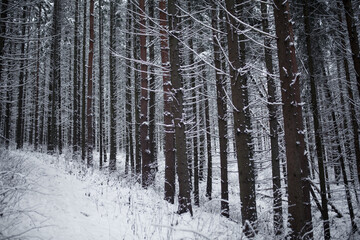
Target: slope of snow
(69,201)
(67,204)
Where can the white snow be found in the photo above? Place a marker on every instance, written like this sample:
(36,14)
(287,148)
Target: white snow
(70,202)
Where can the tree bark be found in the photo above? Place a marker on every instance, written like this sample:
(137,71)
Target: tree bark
(180,138)
(129,120)
(169,148)
(222,112)
(274,126)
(83,97)
(152,140)
(317,124)
(113,147)
(89,105)
(242,126)
(144,120)
(101,84)
(299,207)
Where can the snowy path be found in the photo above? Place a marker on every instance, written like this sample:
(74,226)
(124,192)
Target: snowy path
(67,205)
(65,209)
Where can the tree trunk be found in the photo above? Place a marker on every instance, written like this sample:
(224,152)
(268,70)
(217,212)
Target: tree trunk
(136,90)
(274,126)
(83,98)
(147,178)
(101,84)
(37,84)
(113,147)
(90,141)
(222,112)
(242,126)
(317,124)
(180,138)
(129,119)
(354,45)
(152,140)
(299,207)
(76,103)
(20,117)
(169,148)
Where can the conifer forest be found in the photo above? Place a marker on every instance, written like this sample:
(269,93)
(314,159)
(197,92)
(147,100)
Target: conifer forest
(179,119)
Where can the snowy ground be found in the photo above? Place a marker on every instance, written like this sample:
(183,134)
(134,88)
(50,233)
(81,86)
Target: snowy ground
(67,205)
(66,201)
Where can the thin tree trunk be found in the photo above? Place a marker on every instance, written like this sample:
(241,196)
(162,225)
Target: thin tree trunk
(89,105)
(169,148)
(37,84)
(129,130)
(113,147)
(76,103)
(153,147)
(101,84)
(274,126)
(195,126)
(317,124)
(299,207)
(20,117)
(222,112)
(354,45)
(136,45)
(83,99)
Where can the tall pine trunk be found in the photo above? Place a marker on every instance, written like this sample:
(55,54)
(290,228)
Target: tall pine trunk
(83,93)
(177,83)
(222,112)
(317,124)
(354,45)
(89,105)
(144,118)
(129,120)
(242,125)
(299,206)
(101,85)
(76,103)
(113,147)
(169,150)
(274,126)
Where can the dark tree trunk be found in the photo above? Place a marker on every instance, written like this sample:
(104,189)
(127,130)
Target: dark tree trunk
(153,147)
(76,103)
(136,45)
(101,85)
(113,147)
(20,117)
(274,126)
(168,112)
(299,207)
(195,127)
(37,84)
(317,124)
(180,138)
(242,126)
(3,19)
(222,113)
(83,97)
(147,178)
(129,119)
(89,105)
(354,45)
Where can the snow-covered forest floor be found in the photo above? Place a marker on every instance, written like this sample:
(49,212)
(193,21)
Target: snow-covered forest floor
(64,200)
